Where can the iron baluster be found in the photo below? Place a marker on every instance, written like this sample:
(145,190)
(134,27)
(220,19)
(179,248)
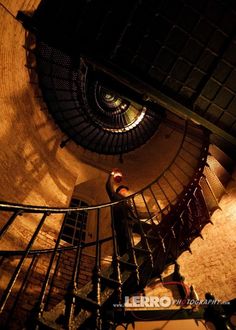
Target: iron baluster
(162,240)
(150,215)
(165,195)
(16,273)
(138,133)
(194,209)
(186,161)
(179,225)
(156,201)
(9,222)
(176,236)
(97,276)
(144,239)
(171,186)
(203,202)
(177,178)
(185,241)
(116,143)
(21,291)
(99,139)
(52,281)
(179,167)
(70,297)
(131,253)
(40,304)
(78,214)
(172,231)
(115,258)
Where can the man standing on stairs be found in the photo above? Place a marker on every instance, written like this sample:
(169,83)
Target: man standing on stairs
(125,221)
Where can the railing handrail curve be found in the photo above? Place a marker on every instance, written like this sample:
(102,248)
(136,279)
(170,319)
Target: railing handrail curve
(8,206)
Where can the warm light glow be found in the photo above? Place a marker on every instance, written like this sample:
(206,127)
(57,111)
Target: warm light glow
(130,126)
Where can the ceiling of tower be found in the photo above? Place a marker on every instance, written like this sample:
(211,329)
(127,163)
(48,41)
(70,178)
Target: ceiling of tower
(184,48)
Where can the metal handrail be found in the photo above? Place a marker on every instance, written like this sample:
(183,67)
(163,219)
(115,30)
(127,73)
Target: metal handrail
(41,209)
(7,253)
(144,248)
(139,255)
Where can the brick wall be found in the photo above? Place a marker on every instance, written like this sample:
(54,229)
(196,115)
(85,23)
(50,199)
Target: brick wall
(211,267)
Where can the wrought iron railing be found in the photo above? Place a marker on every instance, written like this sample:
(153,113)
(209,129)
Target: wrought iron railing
(91,114)
(175,214)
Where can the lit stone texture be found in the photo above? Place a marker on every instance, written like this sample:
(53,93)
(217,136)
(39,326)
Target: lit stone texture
(211,266)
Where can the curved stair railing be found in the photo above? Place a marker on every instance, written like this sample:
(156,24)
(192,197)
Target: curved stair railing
(178,204)
(42,287)
(45,286)
(83,103)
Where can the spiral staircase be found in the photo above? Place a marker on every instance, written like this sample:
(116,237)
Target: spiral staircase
(86,104)
(189,191)
(44,287)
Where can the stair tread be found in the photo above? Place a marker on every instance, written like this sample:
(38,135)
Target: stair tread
(50,317)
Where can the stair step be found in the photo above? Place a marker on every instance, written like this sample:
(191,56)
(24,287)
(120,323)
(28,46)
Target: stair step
(210,198)
(214,182)
(52,318)
(222,158)
(110,282)
(220,171)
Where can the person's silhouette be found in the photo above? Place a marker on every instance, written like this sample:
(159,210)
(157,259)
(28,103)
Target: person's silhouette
(125,220)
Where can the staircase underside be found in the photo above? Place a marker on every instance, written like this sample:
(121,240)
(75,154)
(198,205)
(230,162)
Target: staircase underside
(184,49)
(94,111)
